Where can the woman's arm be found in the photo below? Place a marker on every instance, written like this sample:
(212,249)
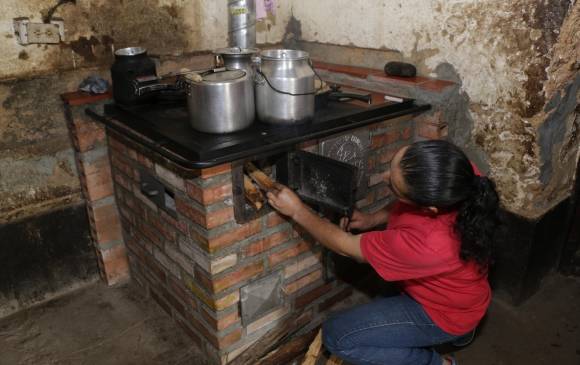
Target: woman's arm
(288,203)
(365,221)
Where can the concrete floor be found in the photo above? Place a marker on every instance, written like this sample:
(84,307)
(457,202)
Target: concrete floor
(100,325)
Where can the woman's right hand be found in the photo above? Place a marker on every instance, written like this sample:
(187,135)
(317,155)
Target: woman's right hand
(358,220)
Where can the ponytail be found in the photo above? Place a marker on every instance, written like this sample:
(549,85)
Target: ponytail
(477,220)
(438,174)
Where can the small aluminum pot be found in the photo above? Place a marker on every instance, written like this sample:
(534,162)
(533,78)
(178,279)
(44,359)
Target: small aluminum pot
(220,101)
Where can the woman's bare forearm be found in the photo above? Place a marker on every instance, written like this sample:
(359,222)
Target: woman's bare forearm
(328,234)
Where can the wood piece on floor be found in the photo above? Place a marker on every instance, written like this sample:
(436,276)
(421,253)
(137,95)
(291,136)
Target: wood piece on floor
(313,350)
(290,350)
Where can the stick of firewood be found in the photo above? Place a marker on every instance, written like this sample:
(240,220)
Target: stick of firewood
(334,360)
(263,181)
(253,194)
(313,350)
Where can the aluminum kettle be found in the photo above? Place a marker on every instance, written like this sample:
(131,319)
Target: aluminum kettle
(284,87)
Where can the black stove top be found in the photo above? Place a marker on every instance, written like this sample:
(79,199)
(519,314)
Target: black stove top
(165,128)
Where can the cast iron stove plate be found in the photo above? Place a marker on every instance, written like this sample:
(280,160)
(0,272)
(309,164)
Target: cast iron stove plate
(165,128)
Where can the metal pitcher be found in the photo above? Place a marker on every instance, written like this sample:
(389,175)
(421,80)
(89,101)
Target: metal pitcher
(284,86)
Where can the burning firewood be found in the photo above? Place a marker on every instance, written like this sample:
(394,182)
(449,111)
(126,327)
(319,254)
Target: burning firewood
(253,194)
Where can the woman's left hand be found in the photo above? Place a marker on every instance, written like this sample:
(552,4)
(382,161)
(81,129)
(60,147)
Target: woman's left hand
(285,200)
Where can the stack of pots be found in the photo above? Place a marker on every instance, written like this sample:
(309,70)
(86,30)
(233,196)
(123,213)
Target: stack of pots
(277,87)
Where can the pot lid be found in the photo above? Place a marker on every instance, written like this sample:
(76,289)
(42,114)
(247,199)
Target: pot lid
(236,51)
(284,54)
(130,51)
(216,76)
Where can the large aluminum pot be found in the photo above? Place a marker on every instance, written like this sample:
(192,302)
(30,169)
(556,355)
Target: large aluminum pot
(220,101)
(284,87)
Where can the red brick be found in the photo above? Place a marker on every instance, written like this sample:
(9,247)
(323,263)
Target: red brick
(107,223)
(309,297)
(97,178)
(216,170)
(88,134)
(203,279)
(428,130)
(237,276)
(179,225)
(230,237)
(117,146)
(377,141)
(266,243)
(122,165)
(143,160)
(159,224)
(288,253)
(150,233)
(302,282)
(172,300)
(223,322)
(345,293)
(219,217)
(392,137)
(178,288)
(387,156)
(190,333)
(190,211)
(230,338)
(207,220)
(115,264)
(123,181)
(82,97)
(209,195)
(406,133)
(274,219)
(160,301)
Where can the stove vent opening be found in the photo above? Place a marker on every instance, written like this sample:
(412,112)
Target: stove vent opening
(251,180)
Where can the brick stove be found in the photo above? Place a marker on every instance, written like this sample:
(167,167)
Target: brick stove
(227,276)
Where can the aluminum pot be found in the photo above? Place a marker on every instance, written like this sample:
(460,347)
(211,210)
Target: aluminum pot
(220,101)
(284,85)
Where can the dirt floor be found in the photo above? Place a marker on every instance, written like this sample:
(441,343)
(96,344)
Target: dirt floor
(99,325)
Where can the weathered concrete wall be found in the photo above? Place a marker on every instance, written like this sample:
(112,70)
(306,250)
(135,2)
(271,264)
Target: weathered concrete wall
(517,62)
(37,171)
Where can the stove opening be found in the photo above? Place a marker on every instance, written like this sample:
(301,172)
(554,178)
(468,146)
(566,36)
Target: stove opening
(251,180)
(327,185)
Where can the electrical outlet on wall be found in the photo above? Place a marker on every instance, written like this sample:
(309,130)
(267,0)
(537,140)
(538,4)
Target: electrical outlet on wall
(28,32)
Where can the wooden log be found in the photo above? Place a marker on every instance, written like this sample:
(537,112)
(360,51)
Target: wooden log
(253,194)
(314,350)
(334,360)
(290,350)
(263,181)
(269,342)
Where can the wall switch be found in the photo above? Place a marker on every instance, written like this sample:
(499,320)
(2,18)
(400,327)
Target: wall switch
(38,33)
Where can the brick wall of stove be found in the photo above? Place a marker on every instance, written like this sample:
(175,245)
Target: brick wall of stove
(196,262)
(92,161)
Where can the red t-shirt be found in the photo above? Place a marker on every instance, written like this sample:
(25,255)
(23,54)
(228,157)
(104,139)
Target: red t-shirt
(421,250)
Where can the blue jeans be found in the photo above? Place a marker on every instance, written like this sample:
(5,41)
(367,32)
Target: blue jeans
(394,330)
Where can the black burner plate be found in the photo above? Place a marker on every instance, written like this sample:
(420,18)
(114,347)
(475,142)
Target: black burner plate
(165,128)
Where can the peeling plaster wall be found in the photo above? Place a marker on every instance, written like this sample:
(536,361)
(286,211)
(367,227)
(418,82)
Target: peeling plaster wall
(37,171)
(511,58)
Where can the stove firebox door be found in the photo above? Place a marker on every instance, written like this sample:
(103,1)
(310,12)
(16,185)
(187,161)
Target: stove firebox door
(325,183)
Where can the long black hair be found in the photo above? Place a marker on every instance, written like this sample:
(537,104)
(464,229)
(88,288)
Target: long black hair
(438,174)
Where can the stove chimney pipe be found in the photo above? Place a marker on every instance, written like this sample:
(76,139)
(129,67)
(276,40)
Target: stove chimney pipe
(242,23)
